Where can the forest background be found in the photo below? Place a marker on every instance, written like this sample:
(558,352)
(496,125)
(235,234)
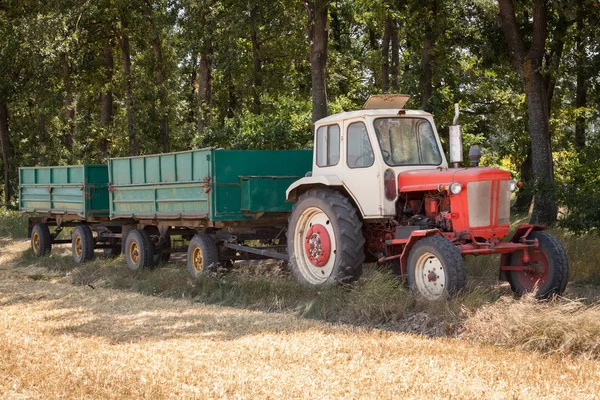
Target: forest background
(81,81)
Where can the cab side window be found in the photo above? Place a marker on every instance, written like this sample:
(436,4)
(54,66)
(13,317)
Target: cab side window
(360,152)
(328,145)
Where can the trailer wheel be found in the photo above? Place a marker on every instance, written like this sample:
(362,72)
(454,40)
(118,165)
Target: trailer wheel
(551,264)
(82,244)
(202,256)
(435,268)
(41,240)
(325,240)
(139,251)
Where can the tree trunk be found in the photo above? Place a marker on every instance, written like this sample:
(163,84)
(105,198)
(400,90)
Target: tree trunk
(581,91)
(427,56)
(70,109)
(257,73)
(395,69)
(134,144)
(318,37)
(525,197)
(6,152)
(374,46)
(159,76)
(528,63)
(42,135)
(385,55)
(204,90)
(545,209)
(106,100)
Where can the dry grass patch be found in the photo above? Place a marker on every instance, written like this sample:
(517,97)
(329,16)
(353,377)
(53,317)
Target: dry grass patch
(562,326)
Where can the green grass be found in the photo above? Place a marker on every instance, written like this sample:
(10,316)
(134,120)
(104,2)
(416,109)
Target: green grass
(12,224)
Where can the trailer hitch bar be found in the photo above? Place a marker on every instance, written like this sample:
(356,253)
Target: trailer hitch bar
(257,250)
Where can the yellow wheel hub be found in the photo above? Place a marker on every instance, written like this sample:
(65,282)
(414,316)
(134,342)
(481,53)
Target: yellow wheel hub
(197,260)
(35,242)
(134,252)
(78,246)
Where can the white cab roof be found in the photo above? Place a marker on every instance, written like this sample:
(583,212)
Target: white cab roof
(370,113)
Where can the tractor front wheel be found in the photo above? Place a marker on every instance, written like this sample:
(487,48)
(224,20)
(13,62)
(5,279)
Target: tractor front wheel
(325,240)
(550,268)
(435,268)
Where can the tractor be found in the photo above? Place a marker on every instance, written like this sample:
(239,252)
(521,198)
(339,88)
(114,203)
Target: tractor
(381,190)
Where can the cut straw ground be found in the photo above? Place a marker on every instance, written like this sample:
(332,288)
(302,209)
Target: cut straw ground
(61,341)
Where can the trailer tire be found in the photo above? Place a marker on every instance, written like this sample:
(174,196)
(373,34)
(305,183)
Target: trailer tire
(82,244)
(325,240)
(139,251)
(436,268)
(202,256)
(41,240)
(552,258)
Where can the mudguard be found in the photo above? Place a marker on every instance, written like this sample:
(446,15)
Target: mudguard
(291,193)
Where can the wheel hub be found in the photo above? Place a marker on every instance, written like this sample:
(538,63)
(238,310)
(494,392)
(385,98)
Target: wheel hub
(78,246)
(318,245)
(134,253)
(197,260)
(432,276)
(35,241)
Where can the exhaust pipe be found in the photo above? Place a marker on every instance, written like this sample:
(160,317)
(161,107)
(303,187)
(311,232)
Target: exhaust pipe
(456,150)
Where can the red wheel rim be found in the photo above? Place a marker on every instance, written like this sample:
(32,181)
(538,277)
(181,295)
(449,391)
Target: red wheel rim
(317,245)
(539,277)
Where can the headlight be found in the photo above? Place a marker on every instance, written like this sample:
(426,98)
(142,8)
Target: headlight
(455,188)
(513,186)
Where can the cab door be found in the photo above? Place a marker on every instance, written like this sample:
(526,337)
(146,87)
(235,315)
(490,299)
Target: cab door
(362,168)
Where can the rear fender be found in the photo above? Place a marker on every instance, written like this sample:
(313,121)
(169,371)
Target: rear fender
(308,182)
(522,231)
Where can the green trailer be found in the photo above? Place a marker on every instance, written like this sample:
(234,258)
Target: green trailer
(78,192)
(209,203)
(68,196)
(214,187)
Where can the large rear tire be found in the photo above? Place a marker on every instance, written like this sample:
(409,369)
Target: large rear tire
(325,240)
(82,244)
(436,268)
(41,240)
(551,264)
(139,251)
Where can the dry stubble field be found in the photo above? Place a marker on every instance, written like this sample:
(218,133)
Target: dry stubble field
(58,340)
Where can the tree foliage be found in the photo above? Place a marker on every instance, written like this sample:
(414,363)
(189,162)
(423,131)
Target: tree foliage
(81,81)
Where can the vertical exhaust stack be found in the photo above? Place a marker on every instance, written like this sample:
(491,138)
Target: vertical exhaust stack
(456,151)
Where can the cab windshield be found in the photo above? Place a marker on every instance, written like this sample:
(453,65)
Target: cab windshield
(407,141)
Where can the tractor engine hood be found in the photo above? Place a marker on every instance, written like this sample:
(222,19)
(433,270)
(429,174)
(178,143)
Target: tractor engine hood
(430,179)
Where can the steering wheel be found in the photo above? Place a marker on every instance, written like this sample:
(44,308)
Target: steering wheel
(367,157)
(386,155)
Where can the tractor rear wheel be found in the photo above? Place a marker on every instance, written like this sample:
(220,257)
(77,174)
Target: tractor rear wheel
(551,268)
(41,240)
(435,268)
(325,240)
(82,244)
(139,251)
